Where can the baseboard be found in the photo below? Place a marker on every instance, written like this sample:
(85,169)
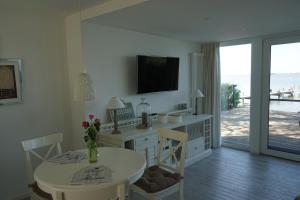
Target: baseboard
(235,146)
(25,196)
(198,157)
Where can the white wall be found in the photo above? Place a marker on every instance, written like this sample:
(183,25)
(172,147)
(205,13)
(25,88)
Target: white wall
(109,54)
(37,38)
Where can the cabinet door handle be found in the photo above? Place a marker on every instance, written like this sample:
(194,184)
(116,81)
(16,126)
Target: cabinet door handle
(146,139)
(195,148)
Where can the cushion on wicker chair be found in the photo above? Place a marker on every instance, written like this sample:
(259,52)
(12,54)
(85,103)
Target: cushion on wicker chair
(156,179)
(35,188)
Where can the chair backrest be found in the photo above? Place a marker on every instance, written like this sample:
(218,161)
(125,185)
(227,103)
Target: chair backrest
(172,150)
(31,145)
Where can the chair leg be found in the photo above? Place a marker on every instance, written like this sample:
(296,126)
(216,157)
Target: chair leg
(130,193)
(180,192)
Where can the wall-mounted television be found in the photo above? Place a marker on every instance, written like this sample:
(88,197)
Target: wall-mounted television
(157,74)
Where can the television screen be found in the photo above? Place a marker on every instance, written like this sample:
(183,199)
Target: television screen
(156,74)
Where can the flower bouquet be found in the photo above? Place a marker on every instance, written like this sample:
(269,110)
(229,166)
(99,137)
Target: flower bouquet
(92,128)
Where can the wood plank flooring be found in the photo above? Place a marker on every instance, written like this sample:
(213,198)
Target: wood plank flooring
(237,175)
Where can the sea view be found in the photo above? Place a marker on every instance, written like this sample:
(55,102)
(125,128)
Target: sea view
(278,82)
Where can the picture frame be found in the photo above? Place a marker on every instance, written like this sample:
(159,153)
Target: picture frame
(11,81)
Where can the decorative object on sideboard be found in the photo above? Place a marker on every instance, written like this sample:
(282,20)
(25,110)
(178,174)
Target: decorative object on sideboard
(182,106)
(86,89)
(10,81)
(197,94)
(92,127)
(162,117)
(114,104)
(125,113)
(175,118)
(143,111)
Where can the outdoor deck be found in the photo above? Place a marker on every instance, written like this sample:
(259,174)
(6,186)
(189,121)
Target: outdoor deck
(284,128)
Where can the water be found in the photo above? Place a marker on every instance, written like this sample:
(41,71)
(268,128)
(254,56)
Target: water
(285,82)
(278,82)
(293,107)
(242,82)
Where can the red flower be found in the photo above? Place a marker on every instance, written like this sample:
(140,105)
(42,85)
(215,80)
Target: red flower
(84,124)
(91,128)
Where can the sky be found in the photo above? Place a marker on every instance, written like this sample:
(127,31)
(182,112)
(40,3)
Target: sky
(236,60)
(285,58)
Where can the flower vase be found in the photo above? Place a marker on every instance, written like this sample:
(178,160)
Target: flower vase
(92,146)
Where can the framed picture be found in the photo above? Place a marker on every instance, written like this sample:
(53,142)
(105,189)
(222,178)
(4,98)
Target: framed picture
(10,81)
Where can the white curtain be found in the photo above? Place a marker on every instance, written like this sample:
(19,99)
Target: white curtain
(211,70)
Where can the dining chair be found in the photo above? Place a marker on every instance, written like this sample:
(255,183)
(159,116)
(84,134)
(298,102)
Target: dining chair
(166,177)
(30,147)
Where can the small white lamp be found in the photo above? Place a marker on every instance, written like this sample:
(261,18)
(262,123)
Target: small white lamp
(198,94)
(114,104)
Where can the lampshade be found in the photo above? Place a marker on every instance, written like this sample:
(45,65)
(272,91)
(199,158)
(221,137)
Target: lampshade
(114,103)
(199,93)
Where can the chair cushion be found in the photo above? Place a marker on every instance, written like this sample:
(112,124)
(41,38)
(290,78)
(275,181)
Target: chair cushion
(35,188)
(156,179)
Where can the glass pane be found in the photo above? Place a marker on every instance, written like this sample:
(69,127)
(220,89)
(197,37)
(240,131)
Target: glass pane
(284,116)
(235,95)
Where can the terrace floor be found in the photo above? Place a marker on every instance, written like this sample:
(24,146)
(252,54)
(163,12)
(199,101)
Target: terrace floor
(284,128)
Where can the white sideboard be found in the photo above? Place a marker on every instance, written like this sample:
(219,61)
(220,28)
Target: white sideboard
(198,128)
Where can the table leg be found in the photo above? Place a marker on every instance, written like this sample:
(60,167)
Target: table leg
(121,191)
(58,195)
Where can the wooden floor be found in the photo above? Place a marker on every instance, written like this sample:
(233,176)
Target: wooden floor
(237,175)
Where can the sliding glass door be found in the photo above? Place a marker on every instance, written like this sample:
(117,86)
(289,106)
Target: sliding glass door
(235,95)
(281,99)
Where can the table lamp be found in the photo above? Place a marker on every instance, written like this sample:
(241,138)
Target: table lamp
(198,94)
(114,104)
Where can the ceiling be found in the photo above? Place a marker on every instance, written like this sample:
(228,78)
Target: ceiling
(207,20)
(64,6)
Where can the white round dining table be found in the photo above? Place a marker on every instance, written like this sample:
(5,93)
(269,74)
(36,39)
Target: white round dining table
(127,167)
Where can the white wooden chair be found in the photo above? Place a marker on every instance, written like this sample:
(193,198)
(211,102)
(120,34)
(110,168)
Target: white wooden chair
(29,147)
(166,177)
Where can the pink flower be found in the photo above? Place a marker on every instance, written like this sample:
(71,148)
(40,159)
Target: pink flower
(91,117)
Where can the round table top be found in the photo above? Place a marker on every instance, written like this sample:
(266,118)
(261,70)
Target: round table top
(126,166)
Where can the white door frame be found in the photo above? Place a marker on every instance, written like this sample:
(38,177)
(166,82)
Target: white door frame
(265,96)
